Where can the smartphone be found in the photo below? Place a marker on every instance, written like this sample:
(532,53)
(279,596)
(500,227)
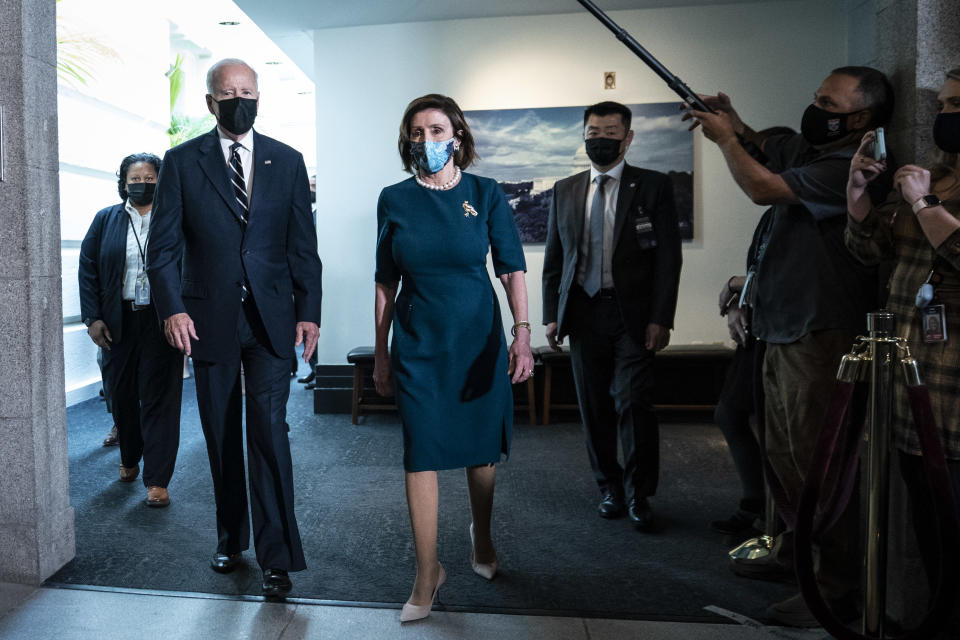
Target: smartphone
(880,146)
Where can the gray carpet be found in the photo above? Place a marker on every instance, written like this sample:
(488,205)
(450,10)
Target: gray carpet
(556,555)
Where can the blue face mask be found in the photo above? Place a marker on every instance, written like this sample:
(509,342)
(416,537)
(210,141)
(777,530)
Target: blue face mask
(431,156)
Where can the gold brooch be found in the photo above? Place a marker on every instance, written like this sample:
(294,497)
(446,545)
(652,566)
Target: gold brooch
(468,210)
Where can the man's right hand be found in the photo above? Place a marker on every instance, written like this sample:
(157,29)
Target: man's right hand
(178,329)
(100,334)
(730,292)
(552,339)
(737,325)
(720,102)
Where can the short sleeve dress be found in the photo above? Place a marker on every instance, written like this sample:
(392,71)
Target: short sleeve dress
(449,353)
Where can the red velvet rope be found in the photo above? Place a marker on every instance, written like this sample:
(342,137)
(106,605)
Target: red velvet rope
(843,455)
(806,529)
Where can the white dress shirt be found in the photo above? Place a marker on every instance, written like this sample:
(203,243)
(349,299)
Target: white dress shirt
(610,192)
(139,227)
(246,156)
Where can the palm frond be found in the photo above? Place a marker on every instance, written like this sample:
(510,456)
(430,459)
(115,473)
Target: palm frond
(78,54)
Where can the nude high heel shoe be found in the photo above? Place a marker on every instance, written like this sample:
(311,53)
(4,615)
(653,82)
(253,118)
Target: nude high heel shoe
(487,571)
(411,612)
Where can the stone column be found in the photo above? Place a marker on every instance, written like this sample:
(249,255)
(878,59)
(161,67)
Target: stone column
(916,42)
(36,519)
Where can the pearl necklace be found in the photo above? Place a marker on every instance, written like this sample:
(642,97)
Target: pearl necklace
(442,187)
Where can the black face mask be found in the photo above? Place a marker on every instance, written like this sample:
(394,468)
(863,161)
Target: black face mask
(603,151)
(141,193)
(946,132)
(820,126)
(237,114)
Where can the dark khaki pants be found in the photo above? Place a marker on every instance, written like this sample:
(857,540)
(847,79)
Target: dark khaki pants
(798,380)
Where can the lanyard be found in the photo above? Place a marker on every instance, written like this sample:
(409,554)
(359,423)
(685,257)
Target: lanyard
(140,247)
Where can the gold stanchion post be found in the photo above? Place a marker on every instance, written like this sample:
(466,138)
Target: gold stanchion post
(883,347)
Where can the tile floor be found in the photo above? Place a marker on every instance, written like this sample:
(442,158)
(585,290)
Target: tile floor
(85,614)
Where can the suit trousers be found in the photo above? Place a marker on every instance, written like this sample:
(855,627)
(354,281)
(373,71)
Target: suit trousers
(144,376)
(613,375)
(732,415)
(798,380)
(276,536)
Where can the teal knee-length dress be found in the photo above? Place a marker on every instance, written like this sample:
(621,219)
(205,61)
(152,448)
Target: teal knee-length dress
(449,353)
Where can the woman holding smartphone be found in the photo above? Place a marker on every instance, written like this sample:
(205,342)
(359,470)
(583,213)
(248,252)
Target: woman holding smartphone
(917,227)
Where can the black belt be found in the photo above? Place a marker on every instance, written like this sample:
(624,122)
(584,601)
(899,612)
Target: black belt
(130,305)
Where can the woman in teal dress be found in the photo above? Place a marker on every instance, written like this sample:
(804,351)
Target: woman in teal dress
(449,364)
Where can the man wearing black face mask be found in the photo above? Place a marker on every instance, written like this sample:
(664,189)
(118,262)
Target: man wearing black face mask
(610,277)
(810,298)
(234,207)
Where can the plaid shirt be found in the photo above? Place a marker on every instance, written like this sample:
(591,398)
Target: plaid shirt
(891,232)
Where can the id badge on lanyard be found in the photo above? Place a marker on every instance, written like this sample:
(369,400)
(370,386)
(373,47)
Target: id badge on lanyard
(141,290)
(141,287)
(933,315)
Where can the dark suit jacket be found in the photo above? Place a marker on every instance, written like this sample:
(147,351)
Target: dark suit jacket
(196,216)
(103,256)
(646,280)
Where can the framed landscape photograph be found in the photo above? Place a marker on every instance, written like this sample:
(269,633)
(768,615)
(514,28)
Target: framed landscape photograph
(528,150)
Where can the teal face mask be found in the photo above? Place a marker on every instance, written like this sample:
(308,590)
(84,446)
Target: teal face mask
(431,156)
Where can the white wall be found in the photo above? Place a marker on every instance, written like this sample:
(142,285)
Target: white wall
(122,108)
(769,57)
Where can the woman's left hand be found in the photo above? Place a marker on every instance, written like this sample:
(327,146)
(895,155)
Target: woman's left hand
(913,182)
(521,358)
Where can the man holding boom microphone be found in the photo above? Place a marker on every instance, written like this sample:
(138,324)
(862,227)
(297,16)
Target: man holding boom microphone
(809,296)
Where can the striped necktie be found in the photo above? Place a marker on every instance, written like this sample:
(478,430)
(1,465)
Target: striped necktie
(236,179)
(240,193)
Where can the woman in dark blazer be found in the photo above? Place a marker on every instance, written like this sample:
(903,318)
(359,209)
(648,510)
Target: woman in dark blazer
(142,372)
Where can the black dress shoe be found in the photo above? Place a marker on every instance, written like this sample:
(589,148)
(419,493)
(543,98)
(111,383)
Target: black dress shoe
(112,439)
(310,386)
(640,514)
(225,563)
(741,521)
(307,378)
(611,506)
(276,583)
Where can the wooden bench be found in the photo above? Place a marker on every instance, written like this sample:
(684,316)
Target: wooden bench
(362,401)
(552,361)
(686,377)
(362,360)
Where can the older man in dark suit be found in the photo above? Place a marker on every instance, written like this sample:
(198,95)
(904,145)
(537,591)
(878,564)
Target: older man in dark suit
(234,207)
(610,277)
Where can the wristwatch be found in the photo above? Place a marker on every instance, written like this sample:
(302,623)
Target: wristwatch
(924,202)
